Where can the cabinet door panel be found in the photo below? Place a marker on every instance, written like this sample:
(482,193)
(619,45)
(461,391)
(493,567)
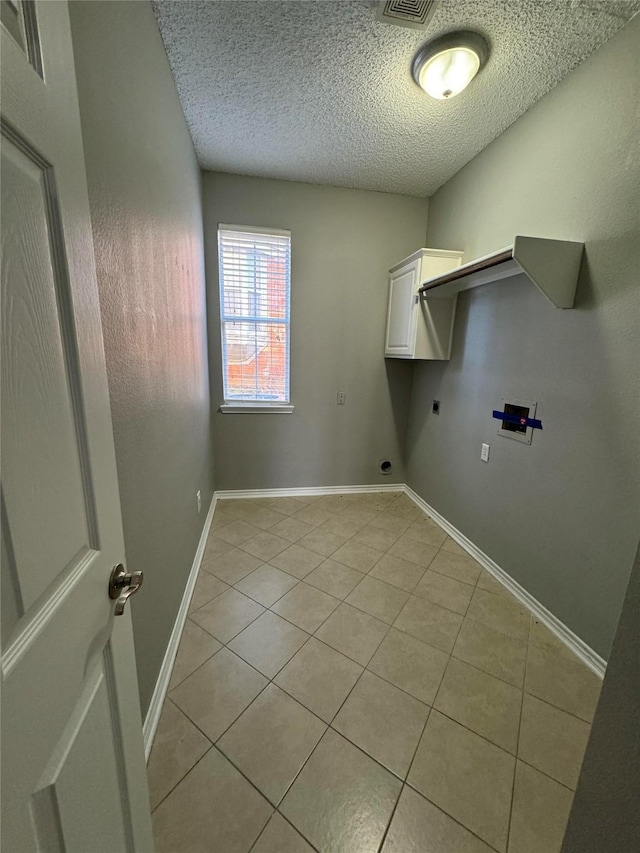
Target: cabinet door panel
(402,314)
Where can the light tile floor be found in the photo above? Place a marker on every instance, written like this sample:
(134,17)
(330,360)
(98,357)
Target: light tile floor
(349,680)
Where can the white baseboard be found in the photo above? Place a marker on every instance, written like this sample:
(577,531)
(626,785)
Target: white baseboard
(310,492)
(164,676)
(586,654)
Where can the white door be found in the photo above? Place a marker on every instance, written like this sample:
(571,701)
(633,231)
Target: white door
(73,773)
(402,312)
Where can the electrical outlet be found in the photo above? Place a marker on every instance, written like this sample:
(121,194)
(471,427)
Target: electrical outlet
(199,501)
(342,398)
(484,453)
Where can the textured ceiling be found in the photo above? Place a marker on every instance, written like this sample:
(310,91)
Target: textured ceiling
(321,92)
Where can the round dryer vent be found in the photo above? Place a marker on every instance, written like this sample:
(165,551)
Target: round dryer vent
(385,466)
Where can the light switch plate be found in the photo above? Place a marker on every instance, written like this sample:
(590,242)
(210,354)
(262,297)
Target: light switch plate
(484,453)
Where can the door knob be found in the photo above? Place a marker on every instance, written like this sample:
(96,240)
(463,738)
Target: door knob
(122,585)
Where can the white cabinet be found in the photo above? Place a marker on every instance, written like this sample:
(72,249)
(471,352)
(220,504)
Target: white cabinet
(423,289)
(417,328)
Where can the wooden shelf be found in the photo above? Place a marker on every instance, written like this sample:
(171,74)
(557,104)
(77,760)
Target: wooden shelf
(552,265)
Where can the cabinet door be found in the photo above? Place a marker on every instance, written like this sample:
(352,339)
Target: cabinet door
(402,313)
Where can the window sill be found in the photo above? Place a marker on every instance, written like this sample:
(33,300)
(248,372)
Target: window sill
(256,409)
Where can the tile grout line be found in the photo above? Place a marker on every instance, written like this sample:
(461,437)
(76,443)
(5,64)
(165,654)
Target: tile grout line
(364,668)
(269,681)
(214,745)
(184,776)
(182,680)
(439,549)
(515,766)
(391,817)
(242,772)
(348,539)
(558,708)
(546,775)
(392,625)
(343,601)
(450,816)
(382,678)
(455,819)
(405,781)
(432,707)
(473,732)
(295,829)
(237,717)
(329,724)
(415,751)
(354,745)
(186,773)
(450,654)
(224,643)
(490,674)
(268,606)
(246,778)
(312,634)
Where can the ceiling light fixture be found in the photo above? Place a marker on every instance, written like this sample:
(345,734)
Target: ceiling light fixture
(446,65)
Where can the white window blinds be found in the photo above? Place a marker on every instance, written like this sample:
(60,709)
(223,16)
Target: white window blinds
(254,266)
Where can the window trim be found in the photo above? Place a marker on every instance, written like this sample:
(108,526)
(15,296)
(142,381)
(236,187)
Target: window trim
(255,406)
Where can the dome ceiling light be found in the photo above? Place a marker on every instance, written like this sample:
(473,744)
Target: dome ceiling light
(446,65)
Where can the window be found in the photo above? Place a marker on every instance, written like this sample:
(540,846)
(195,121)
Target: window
(254,266)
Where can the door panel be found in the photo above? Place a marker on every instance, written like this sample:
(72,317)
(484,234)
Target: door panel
(70,788)
(46,673)
(19,19)
(42,472)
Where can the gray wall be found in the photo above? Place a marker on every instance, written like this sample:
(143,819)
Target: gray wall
(144,191)
(605,814)
(343,243)
(561,515)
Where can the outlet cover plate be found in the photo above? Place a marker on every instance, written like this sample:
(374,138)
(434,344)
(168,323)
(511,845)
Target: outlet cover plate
(515,406)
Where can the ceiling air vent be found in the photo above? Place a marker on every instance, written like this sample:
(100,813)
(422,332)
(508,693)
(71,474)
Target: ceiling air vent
(415,14)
